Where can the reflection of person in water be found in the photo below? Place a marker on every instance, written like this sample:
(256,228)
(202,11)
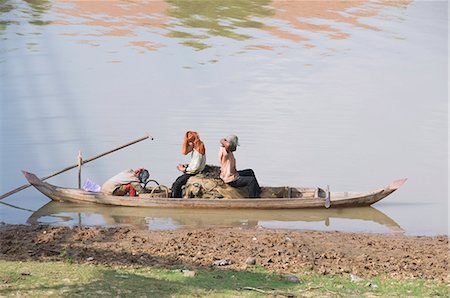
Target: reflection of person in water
(127,182)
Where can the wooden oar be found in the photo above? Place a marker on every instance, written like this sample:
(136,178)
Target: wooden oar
(74,166)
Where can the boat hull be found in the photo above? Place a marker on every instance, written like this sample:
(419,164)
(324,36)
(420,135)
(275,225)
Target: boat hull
(338,200)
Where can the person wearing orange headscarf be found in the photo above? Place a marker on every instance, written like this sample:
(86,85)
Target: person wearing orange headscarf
(194,145)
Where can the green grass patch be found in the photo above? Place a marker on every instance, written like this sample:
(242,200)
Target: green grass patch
(65,279)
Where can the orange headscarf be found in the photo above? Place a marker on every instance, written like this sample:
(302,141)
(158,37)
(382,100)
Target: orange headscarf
(194,138)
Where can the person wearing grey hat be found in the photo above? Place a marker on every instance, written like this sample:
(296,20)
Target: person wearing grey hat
(228,172)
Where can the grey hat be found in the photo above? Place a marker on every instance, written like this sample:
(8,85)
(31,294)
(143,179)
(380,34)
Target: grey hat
(234,142)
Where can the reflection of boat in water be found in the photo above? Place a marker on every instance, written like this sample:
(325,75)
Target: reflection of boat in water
(146,218)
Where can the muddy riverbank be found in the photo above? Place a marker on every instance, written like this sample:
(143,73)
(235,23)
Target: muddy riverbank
(301,252)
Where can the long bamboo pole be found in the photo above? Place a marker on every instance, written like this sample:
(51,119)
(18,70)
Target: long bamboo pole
(76,165)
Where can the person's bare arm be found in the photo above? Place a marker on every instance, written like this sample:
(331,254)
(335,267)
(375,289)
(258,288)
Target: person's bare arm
(138,187)
(187,145)
(225,144)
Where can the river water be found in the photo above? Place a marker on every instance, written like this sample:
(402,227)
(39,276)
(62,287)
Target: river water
(351,94)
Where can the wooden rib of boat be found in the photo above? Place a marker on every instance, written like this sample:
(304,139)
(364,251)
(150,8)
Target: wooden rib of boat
(299,198)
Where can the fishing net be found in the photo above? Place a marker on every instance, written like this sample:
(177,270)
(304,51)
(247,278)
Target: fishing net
(208,185)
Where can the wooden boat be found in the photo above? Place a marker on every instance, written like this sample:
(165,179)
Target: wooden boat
(292,198)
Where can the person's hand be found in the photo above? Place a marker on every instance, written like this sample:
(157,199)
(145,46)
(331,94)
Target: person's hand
(225,144)
(181,168)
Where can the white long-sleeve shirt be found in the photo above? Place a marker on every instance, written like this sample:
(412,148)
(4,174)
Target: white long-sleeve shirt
(197,163)
(123,178)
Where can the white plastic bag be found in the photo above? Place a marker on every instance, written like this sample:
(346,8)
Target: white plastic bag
(91,186)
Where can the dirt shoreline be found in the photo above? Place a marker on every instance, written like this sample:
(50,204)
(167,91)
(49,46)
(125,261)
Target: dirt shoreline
(283,251)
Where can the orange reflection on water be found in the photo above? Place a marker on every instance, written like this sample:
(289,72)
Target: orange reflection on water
(147,45)
(302,20)
(115,18)
(304,15)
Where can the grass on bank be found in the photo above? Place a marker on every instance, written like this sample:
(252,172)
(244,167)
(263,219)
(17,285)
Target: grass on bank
(64,279)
